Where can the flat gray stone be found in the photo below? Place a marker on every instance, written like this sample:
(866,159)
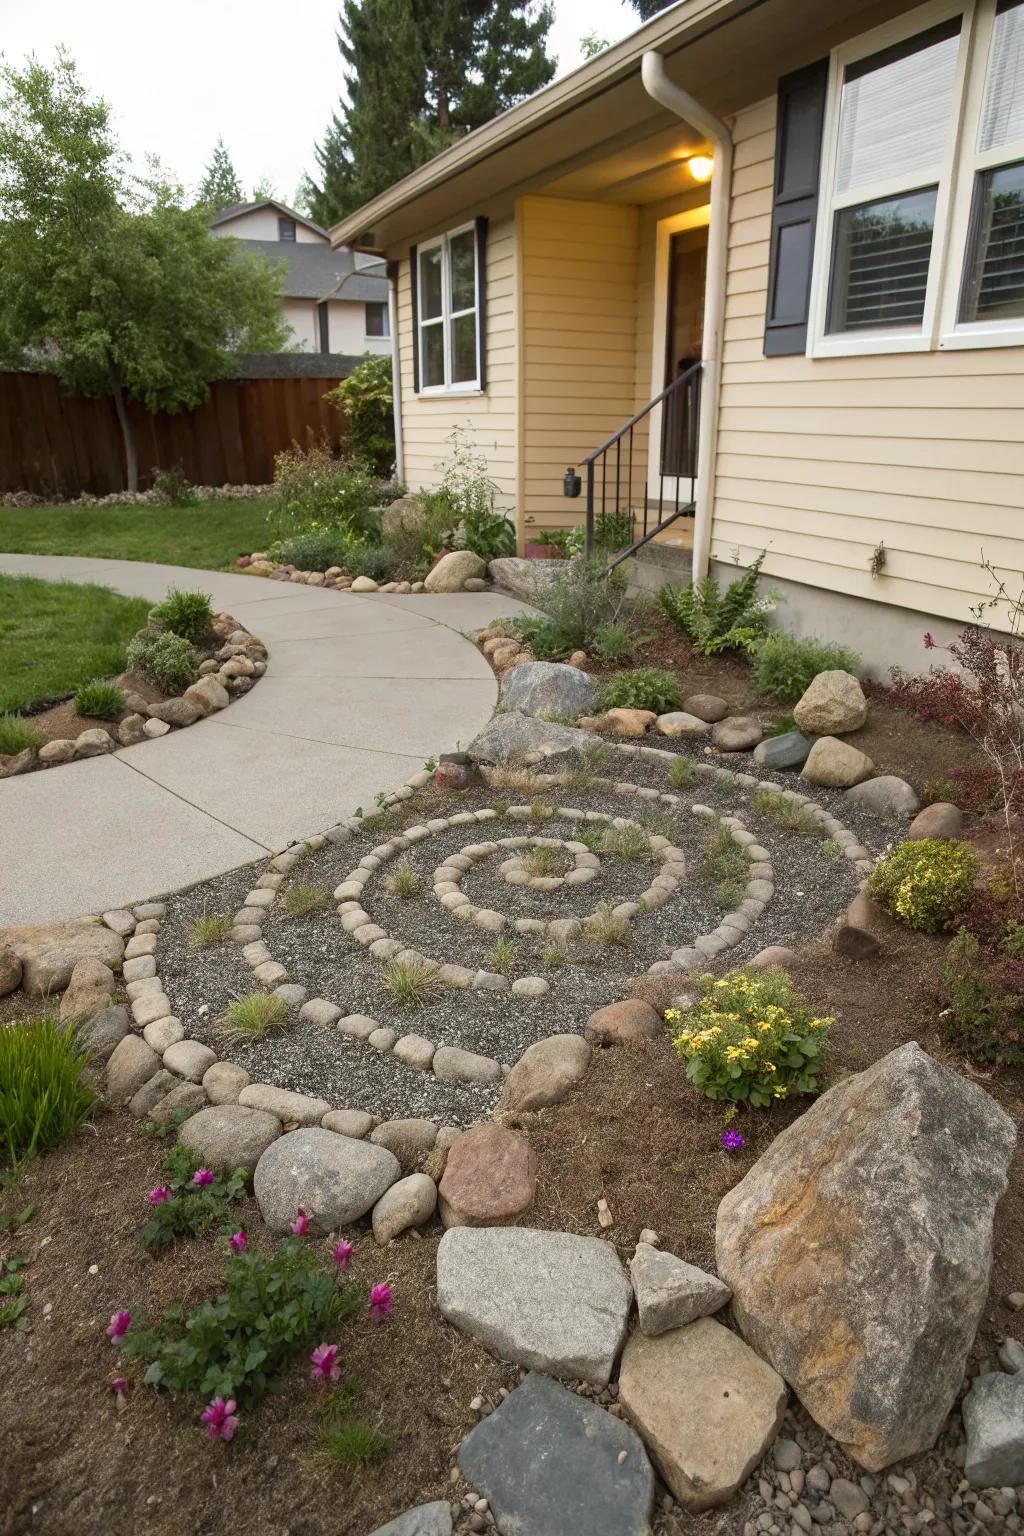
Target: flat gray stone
(886,796)
(348,1122)
(104,1031)
(224,1081)
(736,733)
(291,1108)
(425,1520)
(334,1179)
(993,1413)
(548,1300)
(453,1065)
(671,1293)
(550,1463)
(706,706)
(679,723)
(119,921)
(790,750)
(512,733)
(230,1136)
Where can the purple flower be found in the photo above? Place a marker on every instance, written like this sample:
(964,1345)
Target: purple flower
(220,1419)
(732,1141)
(159,1195)
(119,1385)
(929,641)
(381,1302)
(238,1242)
(118,1326)
(342,1254)
(203,1176)
(300,1226)
(325,1363)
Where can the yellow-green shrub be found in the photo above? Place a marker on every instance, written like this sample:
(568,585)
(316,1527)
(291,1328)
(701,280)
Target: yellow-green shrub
(924,883)
(750,1039)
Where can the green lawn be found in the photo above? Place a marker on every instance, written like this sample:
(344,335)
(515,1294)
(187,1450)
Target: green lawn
(209,535)
(56,634)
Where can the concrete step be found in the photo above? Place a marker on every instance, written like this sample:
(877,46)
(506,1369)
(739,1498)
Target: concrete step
(661,563)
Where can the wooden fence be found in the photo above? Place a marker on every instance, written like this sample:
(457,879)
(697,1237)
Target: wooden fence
(52,443)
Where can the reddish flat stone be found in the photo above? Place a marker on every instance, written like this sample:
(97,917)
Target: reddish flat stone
(490,1178)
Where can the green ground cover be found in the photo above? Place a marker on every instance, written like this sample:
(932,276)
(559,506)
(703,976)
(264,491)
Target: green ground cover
(57,634)
(208,535)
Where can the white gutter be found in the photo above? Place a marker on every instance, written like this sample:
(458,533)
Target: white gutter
(396,376)
(671,96)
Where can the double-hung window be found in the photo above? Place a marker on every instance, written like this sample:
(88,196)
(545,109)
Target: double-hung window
(920,239)
(377,320)
(449,312)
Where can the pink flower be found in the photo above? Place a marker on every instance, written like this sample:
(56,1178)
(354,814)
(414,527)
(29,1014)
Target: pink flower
(732,1141)
(325,1363)
(342,1254)
(119,1385)
(203,1176)
(118,1326)
(929,641)
(300,1226)
(159,1195)
(220,1419)
(239,1242)
(381,1302)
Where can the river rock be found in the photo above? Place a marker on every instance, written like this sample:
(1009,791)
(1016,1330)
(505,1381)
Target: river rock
(89,990)
(101,1034)
(706,706)
(208,694)
(832,705)
(671,1293)
(410,1140)
(551,1301)
(867,1303)
(550,1463)
(737,733)
(490,1178)
(790,750)
(335,1179)
(131,1063)
(887,796)
(546,1073)
(938,820)
(706,1406)
(624,1023)
(549,688)
(180,712)
(230,1136)
(993,1413)
(679,723)
(224,1081)
(10,971)
(836,764)
(49,952)
(409,1203)
(452,570)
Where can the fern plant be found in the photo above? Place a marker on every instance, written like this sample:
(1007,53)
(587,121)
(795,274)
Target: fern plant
(716,620)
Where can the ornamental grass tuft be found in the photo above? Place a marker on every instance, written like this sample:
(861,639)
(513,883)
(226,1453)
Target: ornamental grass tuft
(44,1096)
(252,1016)
(16,735)
(304,900)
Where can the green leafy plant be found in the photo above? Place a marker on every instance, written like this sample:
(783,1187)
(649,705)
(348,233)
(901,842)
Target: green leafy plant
(44,1093)
(13,1296)
(316,549)
(303,900)
(924,883)
(165,659)
(579,601)
(239,1343)
(717,621)
(211,928)
(409,983)
(374,560)
(314,490)
(983,989)
(591,835)
(16,735)
(404,882)
(464,502)
(612,531)
(605,928)
(750,1039)
(365,399)
(188,614)
(642,688)
(190,1201)
(785,665)
(252,1016)
(682,773)
(782,725)
(614,642)
(98,700)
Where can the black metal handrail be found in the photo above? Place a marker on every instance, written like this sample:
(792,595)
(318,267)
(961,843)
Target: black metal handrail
(679,427)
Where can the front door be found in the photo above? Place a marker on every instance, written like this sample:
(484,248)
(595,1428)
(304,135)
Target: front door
(684,334)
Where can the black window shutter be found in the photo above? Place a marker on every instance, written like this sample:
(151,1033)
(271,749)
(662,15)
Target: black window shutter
(798,133)
(481,298)
(414,298)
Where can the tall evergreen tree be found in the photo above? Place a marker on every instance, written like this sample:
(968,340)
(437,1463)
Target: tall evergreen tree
(649,8)
(418,74)
(220,186)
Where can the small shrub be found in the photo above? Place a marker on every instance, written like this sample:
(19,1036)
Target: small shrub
(180,1207)
(723,783)
(750,1039)
(211,928)
(502,957)
(782,725)
(166,660)
(409,983)
(98,700)
(577,604)
(591,835)
(614,643)
(16,735)
(365,398)
(541,810)
(188,614)
(983,990)
(172,488)
(831,849)
(924,883)
(303,900)
(728,894)
(643,688)
(629,843)
(682,773)
(604,928)
(465,502)
(44,1095)
(252,1016)
(786,665)
(314,490)
(404,882)
(374,560)
(935,790)
(717,621)
(785,813)
(318,549)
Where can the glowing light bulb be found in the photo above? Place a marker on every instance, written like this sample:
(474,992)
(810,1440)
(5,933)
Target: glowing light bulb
(700,167)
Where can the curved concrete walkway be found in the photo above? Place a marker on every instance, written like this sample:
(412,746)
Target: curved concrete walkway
(358,691)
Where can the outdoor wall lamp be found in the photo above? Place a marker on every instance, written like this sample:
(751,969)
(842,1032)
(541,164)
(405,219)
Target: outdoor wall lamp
(571,485)
(700,167)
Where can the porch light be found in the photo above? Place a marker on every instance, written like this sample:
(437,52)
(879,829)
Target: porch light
(700,167)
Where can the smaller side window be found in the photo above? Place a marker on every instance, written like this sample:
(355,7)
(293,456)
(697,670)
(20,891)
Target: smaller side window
(377,320)
(286,229)
(448,309)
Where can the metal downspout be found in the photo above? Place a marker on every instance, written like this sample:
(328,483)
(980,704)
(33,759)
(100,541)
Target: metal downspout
(396,372)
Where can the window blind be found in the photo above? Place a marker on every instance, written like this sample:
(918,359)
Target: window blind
(895,115)
(1002,113)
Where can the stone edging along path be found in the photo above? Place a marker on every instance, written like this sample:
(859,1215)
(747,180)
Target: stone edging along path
(202,1076)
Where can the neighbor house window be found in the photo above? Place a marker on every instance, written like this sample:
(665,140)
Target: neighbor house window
(920,237)
(377,320)
(448,311)
(286,229)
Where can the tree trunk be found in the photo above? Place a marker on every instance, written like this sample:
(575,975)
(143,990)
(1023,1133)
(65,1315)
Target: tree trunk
(442,106)
(131,453)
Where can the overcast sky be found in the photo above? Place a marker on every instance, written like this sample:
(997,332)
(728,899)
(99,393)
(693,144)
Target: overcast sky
(264,75)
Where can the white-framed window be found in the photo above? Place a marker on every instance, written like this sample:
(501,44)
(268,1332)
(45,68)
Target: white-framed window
(377,320)
(448,313)
(920,236)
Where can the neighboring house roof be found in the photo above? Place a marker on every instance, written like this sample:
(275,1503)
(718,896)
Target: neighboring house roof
(237,209)
(318,272)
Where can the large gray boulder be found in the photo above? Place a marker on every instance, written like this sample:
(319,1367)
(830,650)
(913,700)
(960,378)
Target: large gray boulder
(887,797)
(548,1300)
(527,579)
(832,705)
(512,734)
(548,1461)
(549,688)
(229,1136)
(858,1249)
(333,1178)
(994,1420)
(452,570)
